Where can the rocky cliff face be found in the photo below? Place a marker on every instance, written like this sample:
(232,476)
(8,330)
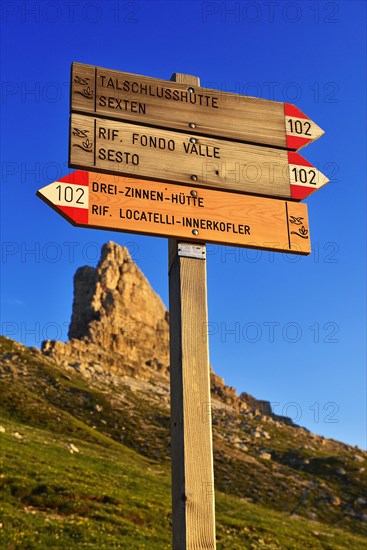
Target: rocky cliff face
(119,324)
(116,308)
(120,327)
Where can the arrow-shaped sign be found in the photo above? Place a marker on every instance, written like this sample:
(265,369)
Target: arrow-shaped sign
(167,104)
(300,130)
(188,213)
(152,153)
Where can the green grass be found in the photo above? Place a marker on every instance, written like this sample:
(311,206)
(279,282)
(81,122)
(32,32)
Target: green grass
(100,497)
(115,493)
(109,496)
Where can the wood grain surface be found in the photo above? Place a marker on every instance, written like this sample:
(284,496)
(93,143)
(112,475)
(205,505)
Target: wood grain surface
(139,151)
(183,212)
(187,107)
(130,97)
(193,509)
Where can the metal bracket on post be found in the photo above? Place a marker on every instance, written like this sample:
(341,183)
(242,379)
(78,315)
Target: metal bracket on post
(190,250)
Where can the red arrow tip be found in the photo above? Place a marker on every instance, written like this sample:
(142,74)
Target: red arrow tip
(80,177)
(55,196)
(296,158)
(300,129)
(296,142)
(299,192)
(292,110)
(77,215)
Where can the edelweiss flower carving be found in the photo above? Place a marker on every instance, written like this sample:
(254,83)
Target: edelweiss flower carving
(86,145)
(302,231)
(86,91)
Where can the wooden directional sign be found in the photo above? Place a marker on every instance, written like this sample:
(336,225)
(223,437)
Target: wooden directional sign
(167,104)
(139,151)
(188,213)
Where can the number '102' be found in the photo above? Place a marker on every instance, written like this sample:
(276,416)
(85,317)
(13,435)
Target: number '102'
(299,127)
(69,194)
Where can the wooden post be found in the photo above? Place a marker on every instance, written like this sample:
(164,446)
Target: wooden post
(193,512)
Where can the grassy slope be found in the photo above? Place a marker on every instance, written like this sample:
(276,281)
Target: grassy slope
(111,497)
(107,495)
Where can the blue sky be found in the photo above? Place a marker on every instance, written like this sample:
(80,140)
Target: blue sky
(288,329)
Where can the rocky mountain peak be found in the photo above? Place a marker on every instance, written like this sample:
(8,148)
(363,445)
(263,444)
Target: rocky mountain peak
(116,308)
(120,327)
(118,321)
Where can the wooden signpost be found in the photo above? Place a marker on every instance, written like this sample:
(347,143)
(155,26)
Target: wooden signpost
(105,201)
(189,164)
(186,107)
(193,504)
(139,151)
